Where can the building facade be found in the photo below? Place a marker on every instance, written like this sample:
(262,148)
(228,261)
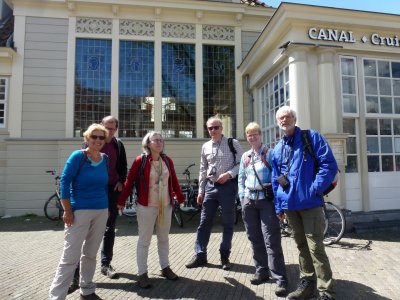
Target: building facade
(169,65)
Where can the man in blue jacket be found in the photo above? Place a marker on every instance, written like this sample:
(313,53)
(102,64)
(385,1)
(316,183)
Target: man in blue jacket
(298,189)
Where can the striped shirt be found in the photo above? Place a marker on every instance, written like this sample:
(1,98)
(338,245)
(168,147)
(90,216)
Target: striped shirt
(216,159)
(247,179)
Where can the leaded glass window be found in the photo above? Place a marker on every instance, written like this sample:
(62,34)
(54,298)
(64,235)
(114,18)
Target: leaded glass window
(136,88)
(3,101)
(92,82)
(178,90)
(219,86)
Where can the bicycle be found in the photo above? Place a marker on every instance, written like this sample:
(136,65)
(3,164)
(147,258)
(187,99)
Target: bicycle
(53,209)
(335,224)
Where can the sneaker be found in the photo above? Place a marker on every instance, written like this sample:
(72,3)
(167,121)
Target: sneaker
(109,272)
(92,296)
(196,261)
(225,264)
(144,281)
(306,289)
(74,285)
(259,278)
(281,290)
(325,296)
(169,274)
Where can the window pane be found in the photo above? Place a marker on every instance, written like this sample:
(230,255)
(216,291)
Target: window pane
(386,105)
(383,68)
(136,88)
(396,87)
(371,86)
(373,163)
(219,86)
(386,145)
(396,69)
(396,127)
(351,145)
(349,85)
(385,127)
(372,145)
(385,86)
(92,82)
(179,90)
(396,101)
(372,104)
(351,166)
(371,126)
(369,67)
(387,163)
(397,161)
(349,126)
(347,65)
(397,145)
(349,104)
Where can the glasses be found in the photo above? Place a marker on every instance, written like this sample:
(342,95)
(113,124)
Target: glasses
(157,141)
(95,137)
(213,128)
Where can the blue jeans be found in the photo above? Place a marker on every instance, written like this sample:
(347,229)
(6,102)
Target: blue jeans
(215,195)
(107,249)
(263,231)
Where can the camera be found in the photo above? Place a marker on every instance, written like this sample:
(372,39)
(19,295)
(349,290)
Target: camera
(283,182)
(212,172)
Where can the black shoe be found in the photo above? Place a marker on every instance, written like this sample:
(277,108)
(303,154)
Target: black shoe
(74,285)
(225,264)
(109,272)
(196,261)
(258,279)
(144,281)
(306,289)
(92,296)
(325,296)
(281,290)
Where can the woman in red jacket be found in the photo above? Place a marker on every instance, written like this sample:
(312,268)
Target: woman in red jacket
(158,184)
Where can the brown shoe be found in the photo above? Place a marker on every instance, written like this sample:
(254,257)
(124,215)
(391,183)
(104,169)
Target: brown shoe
(169,274)
(144,281)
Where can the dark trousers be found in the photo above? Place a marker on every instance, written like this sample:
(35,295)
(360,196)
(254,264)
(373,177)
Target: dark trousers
(107,248)
(263,231)
(215,195)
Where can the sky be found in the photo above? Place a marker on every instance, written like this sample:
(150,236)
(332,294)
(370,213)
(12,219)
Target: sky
(385,6)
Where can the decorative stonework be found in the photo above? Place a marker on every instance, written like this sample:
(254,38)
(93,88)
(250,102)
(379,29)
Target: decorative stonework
(220,33)
(96,26)
(137,28)
(178,30)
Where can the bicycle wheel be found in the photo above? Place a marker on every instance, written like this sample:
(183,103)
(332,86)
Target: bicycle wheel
(130,207)
(335,223)
(53,209)
(177,214)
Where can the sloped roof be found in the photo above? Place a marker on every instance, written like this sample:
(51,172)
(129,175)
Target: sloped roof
(254,3)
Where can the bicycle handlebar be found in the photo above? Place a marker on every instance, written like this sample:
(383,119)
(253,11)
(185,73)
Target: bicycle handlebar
(52,172)
(187,172)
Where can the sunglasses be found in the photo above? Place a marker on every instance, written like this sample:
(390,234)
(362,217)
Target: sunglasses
(100,137)
(213,127)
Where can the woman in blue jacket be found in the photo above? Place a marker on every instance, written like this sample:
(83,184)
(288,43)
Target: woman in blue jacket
(83,188)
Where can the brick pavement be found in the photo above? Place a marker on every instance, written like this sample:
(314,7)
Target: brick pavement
(365,266)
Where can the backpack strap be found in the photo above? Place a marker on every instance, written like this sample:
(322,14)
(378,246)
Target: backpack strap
(265,162)
(140,172)
(307,147)
(233,150)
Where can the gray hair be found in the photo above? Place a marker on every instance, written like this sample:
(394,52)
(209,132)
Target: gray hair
(211,119)
(283,110)
(146,140)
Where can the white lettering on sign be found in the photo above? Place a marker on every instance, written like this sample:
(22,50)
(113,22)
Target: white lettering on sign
(376,39)
(331,35)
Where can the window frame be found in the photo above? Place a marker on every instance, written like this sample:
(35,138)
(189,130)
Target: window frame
(5,101)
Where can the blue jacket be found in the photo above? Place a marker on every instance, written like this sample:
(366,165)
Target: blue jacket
(305,189)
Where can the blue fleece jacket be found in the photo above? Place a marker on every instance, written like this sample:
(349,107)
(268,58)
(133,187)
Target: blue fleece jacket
(305,189)
(88,188)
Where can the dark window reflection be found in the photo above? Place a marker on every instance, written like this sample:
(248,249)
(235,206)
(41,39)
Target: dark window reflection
(92,82)
(373,163)
(178,90)
(136,88)
(351,166)
(219,86)
(387,163)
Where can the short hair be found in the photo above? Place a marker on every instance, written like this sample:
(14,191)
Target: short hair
(211,119)
(92,128)
(253,126)
(108,119)
(285,109)
(146,140)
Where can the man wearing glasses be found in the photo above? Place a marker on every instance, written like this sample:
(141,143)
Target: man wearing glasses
(218,186)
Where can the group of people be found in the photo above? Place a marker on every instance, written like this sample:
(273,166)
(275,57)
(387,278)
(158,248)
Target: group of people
(272,184)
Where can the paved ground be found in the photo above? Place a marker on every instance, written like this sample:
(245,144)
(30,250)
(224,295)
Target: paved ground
(365,266)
